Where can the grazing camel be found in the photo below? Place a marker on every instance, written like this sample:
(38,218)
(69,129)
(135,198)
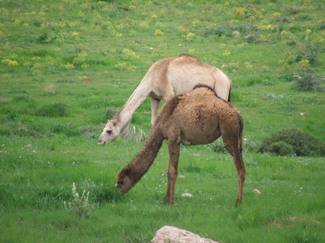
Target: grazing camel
(164,80)
(198,117)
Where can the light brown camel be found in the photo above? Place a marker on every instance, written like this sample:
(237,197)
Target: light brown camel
(198,117)
(164,80)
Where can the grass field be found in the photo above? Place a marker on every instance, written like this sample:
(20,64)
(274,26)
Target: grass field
(65,66)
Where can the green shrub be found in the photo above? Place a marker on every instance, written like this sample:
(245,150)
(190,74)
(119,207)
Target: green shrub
(309,53)
(46,38)
(219,31)
(308,82)
(293,141)
(281,148)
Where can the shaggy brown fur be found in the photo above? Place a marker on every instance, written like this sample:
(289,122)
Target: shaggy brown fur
(198,117)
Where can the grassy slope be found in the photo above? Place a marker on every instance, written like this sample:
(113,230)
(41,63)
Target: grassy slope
(56,45)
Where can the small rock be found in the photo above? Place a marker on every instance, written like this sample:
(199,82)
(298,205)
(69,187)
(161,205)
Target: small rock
(186,194)
(171,234)
(235,33)
(257,191)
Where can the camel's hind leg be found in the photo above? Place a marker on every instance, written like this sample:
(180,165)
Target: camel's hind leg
(232,139)
(174,151)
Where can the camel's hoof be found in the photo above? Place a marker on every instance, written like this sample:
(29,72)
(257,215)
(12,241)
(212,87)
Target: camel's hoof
(167,201)
(238,204)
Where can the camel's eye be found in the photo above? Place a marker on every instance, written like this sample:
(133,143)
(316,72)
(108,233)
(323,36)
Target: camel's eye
(109,132)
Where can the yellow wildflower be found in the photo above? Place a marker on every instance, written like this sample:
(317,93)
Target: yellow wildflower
(284,33)
(276,14)
(10,62)
(130,53)
(75,34)
(304,63)
(267,27)
(190,35)
(144,24)
(308,31)
(159,32)
(13,63)
(240,11)
(69,66)
(226,53)
(148,4)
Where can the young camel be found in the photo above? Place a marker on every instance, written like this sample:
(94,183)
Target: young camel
(164,80)
(198,117)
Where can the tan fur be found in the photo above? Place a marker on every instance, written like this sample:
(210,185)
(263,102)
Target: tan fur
(164,80)
(198,117)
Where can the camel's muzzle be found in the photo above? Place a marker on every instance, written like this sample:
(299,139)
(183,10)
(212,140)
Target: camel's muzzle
(101,142)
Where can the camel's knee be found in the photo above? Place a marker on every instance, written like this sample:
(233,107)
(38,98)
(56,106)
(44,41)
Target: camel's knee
(242,173)
(172,175)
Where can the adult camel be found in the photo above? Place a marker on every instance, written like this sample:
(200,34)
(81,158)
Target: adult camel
(164,80)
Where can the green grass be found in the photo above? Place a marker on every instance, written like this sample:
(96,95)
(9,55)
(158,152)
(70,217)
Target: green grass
(51,119)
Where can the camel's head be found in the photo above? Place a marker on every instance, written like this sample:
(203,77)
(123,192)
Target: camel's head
(124,180)
(110,132)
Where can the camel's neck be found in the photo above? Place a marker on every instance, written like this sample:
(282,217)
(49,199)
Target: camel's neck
(143,90)
(142,162)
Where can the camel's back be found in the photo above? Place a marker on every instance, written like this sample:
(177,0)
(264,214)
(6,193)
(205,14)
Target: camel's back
(198,115)
(170,77)
(184,72)
(204,100)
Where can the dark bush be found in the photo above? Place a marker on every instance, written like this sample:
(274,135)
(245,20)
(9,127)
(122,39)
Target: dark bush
(219,31)
(250,38)
(244,29)
(309,53)
(293,141)
(281,148)
(46,38)
(308,82)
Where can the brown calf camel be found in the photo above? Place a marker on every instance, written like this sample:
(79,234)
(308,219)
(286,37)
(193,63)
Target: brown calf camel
(198,117)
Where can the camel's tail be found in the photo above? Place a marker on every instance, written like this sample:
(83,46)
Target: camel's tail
(229,96)
(241,128)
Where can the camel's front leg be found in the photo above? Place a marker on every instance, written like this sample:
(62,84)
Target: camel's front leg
(154,110)
(174,151)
